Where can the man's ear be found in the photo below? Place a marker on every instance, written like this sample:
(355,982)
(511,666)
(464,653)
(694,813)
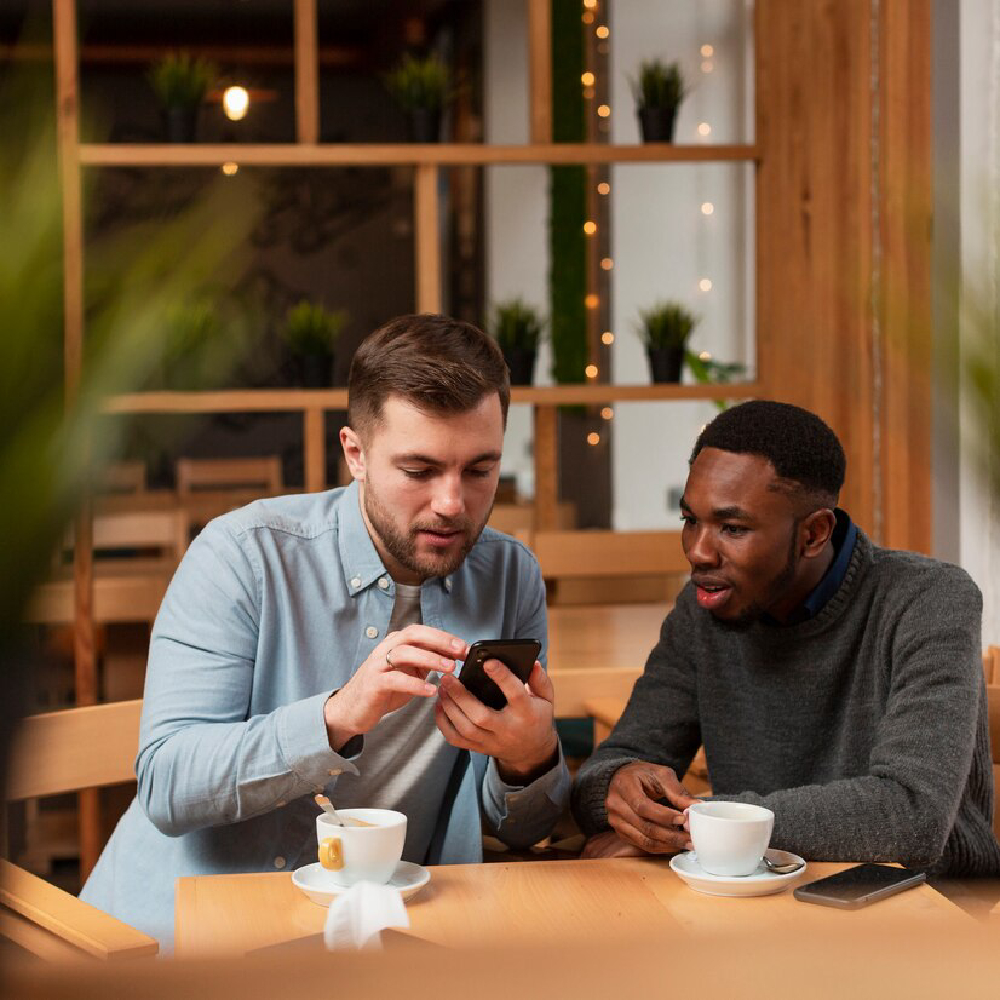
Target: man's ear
(354,453)
(817,530)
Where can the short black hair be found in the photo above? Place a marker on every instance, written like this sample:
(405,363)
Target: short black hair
(804,451)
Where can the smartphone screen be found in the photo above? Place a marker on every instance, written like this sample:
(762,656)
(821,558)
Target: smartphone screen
(858,886)
(518,655)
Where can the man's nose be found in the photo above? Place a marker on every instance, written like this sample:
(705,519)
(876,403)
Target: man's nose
(701,550)
(448,499)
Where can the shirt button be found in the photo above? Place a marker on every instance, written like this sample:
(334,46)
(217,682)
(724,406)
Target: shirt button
(356,582)
(371,632)
(383,583)
(447,583)
(279,862)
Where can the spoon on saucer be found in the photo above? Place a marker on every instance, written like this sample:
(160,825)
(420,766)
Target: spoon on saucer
(327,806)
(782,869)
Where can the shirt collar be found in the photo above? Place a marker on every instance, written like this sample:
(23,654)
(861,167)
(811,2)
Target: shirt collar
(844,536)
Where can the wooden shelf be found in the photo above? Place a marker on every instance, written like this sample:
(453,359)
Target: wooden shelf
(292,400)
(435,154)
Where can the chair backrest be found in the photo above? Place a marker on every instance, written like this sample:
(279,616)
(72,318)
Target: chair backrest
(579,692)
(124,477)
(167,531)
(75,748)
(194,474)
(606,553)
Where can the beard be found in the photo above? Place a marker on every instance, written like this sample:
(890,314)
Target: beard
(401,543)
(775,591)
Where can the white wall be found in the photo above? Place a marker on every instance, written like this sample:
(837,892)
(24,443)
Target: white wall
(979,172)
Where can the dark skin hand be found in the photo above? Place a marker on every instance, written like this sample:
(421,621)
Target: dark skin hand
(639,823)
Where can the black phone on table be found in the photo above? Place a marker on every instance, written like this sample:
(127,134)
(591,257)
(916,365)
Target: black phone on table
(859,886)
(518,655)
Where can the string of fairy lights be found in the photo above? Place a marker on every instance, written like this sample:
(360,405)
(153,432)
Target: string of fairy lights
(595,17)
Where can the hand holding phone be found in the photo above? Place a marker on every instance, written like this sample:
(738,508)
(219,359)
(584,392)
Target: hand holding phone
(858,886)
(517,655)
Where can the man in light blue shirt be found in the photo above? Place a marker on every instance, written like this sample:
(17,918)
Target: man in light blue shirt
(309,643)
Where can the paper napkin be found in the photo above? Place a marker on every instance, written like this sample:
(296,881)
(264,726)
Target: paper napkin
(357,916)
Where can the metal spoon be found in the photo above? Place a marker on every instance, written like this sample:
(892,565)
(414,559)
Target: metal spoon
(327,806)
(783,869)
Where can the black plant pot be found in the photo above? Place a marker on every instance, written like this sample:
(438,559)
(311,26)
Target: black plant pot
(521,363)
(657,124)
(181,124)
(425,124)
(315,371)
(665,363)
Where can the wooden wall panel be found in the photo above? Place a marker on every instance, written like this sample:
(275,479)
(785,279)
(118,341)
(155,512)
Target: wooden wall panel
(821,167)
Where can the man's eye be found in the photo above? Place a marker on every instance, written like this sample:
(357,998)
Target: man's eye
(687,519)
(480,473)
(735,529)
(416,473)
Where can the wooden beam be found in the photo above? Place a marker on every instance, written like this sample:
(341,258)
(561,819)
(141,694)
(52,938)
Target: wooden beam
(546,447)
(306,72)
(428,242)
(540,69)
(905,209)
(315,450)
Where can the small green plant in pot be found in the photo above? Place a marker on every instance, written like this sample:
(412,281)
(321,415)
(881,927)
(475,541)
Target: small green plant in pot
(311,333)
(666,329)
(518,330)
(181,81)
(422,88)
(658,92)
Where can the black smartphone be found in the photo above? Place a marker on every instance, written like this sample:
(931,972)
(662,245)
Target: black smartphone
(858,886)
(518,655)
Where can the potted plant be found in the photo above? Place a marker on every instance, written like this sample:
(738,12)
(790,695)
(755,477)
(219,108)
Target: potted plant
(658,92)
(707,371)
(666,328)
(518,329)
(181,81)
(421,87)
(311,332)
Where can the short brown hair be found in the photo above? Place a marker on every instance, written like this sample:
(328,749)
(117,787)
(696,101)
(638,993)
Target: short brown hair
(437,363)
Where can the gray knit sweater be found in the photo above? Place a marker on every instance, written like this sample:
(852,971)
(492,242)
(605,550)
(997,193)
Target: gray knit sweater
(864,728)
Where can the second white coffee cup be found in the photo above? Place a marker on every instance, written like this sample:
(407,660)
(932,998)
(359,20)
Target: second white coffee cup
(729,837)
(360,853)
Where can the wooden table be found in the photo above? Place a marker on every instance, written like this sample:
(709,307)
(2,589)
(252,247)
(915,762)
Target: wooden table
(603,635)
(538,903)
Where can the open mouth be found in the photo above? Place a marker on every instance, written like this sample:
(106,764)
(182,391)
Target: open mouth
(440,537)
(712,595)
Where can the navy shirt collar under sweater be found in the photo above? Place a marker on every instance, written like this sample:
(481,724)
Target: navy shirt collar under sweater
(845,534)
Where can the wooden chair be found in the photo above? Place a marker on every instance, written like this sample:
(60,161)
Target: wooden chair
(54,753)
(202,474)
(616,566)
(124,477)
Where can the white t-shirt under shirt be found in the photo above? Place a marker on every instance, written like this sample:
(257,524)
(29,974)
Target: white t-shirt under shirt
(406,761)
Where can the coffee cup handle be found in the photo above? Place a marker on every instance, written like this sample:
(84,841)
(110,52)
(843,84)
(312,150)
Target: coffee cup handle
(331,854)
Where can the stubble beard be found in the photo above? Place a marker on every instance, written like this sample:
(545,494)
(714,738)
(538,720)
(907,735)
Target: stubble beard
(402,545)
(776,589)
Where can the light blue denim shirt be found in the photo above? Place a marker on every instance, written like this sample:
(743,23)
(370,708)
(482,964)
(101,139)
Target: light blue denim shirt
(273,608)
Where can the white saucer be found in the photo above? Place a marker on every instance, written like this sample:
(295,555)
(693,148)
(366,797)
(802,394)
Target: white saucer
(761,883)
(408,878)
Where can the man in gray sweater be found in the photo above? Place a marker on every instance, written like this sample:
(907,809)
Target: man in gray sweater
(835,682)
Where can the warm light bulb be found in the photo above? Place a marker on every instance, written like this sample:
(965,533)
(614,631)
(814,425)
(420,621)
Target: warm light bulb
(603,31)
(705,356)
(591,371)
(590,227)
(591,301)
(705,284)
(707,66)
(607,413)
(607,338)
(229,168)
(590,4)
(588,18)
(707,208)
(593,438)
(604,188)
(704,129)
(607,263)
(235,101)
(604,111)
(587,79)
(707,51)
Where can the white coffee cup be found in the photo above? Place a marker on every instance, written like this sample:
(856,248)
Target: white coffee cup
(360,853)
(729,837)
